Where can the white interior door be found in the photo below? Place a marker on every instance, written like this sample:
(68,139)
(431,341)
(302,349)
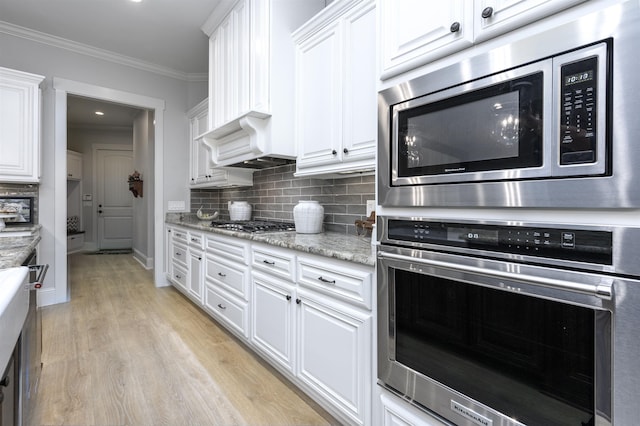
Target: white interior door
(114,201)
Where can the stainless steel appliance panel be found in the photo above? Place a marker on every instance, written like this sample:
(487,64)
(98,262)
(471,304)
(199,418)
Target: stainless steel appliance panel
(619,25)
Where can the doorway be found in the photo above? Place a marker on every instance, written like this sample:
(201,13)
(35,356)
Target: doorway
(153,198)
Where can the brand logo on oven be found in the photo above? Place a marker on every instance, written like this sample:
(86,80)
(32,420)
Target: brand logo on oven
(457,169)
(470,414)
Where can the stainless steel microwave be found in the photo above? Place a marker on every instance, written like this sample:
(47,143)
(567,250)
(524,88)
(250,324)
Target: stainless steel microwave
(547,121)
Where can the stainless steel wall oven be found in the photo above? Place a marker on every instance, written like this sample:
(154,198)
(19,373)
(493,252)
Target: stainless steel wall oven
(538,122)
(508,323)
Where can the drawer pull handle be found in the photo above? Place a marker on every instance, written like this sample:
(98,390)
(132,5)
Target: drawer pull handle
(178,253)
(221,306)
(178,277)
(222,275)
(324,280)
(195,240)
(268,262)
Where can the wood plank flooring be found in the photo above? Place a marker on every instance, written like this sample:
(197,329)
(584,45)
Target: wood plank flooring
(123,352)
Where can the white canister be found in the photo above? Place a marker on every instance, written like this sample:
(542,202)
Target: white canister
(239,210)
(308,216)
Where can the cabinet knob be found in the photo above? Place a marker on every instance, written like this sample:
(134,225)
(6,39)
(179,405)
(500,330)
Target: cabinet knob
(178,276)
(455,27)
(288,297)
(192,179)
(487,12)
(5,381)
(298,301)
(346,151)
(334,152)
(199,258)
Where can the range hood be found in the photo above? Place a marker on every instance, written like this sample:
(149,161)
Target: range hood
(247,142)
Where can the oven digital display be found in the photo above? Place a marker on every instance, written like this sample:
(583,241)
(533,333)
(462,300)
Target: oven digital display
(473,235)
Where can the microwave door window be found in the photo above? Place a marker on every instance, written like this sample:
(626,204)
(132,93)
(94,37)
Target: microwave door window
(482,130)
(494,128)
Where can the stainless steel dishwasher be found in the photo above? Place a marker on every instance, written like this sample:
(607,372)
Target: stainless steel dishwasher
(31,342)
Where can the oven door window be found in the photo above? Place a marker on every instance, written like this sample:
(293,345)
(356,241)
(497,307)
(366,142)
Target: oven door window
(531,359)
(493,128)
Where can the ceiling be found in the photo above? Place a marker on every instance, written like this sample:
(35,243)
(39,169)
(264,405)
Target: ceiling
(81,113)
(165,33)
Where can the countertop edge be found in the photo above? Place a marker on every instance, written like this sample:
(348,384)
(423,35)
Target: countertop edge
(354,249)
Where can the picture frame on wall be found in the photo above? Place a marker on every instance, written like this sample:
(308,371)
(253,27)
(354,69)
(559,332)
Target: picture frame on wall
(23,208)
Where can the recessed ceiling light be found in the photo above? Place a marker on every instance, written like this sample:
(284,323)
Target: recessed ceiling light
(99,113)
(136,1)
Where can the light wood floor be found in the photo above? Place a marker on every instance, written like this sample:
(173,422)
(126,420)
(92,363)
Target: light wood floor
(123,352)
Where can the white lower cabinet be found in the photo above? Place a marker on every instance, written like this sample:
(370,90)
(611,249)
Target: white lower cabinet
(396,412)
(307,315)
(334,353)
(273,313)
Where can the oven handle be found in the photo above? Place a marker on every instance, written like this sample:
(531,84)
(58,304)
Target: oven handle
(604,290)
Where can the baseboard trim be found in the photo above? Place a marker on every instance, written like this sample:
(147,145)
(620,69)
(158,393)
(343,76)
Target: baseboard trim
(146,262)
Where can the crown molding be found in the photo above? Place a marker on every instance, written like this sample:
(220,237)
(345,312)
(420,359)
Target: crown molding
(84,49)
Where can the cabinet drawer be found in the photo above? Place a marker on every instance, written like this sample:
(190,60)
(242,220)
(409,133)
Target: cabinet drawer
(231,248)
(231,312)
(179,236)
(345,280)
(179,254)
(196,239)
(232,276)
(276,262)
(179,275)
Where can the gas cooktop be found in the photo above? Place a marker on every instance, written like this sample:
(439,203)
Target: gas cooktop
(253,225)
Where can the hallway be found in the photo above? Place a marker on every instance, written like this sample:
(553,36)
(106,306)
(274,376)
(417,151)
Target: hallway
(124,352)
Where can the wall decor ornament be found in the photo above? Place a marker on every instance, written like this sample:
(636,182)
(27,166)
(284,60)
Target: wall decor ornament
(135,184)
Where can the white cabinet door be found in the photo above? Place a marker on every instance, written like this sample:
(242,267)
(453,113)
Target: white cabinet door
(336,92)
(229,66)
(318,124)
(360,91)
(334,354)
(414,32)
(74,165)
(196,275)
(200,152)
(495,17)
(272,304)
(19,126)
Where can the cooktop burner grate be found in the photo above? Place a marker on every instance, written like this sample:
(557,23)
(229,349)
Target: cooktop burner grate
(254,225)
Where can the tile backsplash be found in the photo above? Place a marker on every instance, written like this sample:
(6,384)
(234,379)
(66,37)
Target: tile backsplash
(275,192)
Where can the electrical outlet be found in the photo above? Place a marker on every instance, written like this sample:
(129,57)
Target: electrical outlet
(371,206)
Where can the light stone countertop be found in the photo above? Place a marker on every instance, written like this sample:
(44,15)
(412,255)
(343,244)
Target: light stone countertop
(351,248)
(15,250)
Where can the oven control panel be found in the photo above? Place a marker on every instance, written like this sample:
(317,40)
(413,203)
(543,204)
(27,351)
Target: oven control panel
(558,243)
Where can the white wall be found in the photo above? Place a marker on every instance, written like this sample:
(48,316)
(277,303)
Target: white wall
(178,95)
(142,162)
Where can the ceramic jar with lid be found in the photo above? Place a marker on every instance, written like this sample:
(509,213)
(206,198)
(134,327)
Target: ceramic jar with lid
(239,210)
(308,216)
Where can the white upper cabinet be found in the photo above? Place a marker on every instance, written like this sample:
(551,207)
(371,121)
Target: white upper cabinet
(74,165)
(336,92)
(201,171)
(416,32)
(19,126)
(495,17)
(250,75)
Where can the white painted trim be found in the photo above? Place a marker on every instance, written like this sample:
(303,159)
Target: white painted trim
(62,43)
(46,297)
(62,88)
(146,262)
